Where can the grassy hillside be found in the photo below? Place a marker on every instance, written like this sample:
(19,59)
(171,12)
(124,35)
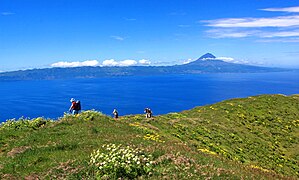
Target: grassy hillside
(251,138)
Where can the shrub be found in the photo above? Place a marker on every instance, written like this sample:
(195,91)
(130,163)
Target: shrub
(23,123)
(89,115)
(118,161)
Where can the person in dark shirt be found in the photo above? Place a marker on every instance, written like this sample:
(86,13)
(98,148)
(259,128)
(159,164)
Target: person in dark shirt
(115,113)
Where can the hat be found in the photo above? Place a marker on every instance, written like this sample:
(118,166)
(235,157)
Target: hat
(72,100)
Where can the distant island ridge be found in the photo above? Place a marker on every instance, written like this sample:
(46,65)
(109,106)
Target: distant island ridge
(208,63)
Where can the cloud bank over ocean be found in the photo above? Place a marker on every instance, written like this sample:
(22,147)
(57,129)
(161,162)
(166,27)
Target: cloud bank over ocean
(108,62)
(112,62)
(75,64)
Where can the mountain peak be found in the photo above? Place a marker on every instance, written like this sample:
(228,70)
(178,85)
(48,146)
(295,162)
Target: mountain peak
(207,56)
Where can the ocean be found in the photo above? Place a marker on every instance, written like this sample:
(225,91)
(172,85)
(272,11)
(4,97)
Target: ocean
(130,95)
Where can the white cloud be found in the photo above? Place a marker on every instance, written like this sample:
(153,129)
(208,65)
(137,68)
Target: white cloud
(144,62)
(108,62)
(233,60)
(119,38)
(288,9)
(230,33)
(75,64)
(280,40)
(187,61)
(127,63)
(293,33)
(266,29)
(112,62)
(241,33)
(280,21)
(227,59)
(7,13)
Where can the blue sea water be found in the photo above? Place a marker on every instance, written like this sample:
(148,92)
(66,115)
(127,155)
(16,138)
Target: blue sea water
(130,95)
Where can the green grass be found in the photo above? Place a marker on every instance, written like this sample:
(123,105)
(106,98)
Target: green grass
(250,138)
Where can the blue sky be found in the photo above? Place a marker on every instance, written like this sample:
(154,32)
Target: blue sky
(53,33)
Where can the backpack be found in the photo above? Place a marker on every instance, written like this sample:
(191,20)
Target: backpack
(77,106)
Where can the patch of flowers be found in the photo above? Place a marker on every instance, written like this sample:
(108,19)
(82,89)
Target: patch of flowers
(135,124)
(295,122)
(121,161)
(259,168)
(153,137)
(230,104)
(211,107)
(207,151)
(140,127)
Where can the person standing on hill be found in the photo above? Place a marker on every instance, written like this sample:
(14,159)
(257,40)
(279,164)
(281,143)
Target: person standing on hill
(78,106)
(115,113)
(72,108)
(75,107)
(148,112)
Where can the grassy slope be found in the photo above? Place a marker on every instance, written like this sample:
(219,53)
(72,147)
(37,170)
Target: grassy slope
(251,138)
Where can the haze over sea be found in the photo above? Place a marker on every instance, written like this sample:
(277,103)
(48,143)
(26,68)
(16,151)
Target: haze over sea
(130,95)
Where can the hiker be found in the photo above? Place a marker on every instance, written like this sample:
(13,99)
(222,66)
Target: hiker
(75,107)
(78,106)
(115,113)
(148,112)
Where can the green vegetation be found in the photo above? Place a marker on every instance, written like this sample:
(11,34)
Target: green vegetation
(250,138)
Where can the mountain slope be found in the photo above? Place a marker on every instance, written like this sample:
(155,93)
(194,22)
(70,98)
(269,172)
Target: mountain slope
(199,66)
(249,138)
(209,63)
